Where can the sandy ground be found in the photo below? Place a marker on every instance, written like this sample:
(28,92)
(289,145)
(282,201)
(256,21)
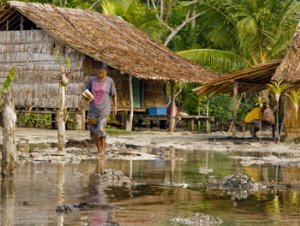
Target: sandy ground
(141,145)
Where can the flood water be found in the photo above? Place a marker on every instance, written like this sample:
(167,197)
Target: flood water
(32,197)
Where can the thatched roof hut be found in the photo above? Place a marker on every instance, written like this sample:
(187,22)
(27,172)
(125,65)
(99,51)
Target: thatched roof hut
(289,72)
(31,34)
(107,39)
(250,80)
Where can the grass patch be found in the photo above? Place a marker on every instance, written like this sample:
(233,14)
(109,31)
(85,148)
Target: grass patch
(115,131)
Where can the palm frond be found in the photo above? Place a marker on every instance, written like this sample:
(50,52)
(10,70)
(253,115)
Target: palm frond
(224,60)
(277,88)
(294,95)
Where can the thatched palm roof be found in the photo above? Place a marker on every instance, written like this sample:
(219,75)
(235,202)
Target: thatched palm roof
(111,40)
(249,80)
(289,70)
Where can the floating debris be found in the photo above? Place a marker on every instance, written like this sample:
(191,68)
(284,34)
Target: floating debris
(197,219)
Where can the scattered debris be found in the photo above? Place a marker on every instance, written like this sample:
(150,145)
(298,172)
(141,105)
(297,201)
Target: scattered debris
(240,186)
(68,208)
(111,177)
(198,219)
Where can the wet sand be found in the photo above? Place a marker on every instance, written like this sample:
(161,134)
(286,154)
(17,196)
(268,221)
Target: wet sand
(142,145)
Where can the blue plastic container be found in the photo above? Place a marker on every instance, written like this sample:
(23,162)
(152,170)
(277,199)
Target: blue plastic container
(157,111)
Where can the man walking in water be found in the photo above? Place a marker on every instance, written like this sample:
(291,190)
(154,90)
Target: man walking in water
(103,92)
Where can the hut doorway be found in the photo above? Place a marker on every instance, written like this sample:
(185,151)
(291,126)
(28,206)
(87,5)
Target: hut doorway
(138,92)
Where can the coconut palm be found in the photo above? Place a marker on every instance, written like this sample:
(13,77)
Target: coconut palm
(277,88)
(294,96)
(255,30)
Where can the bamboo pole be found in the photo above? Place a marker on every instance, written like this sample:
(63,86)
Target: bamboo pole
(173,108)
(129,119)
(234,111)
(9,153)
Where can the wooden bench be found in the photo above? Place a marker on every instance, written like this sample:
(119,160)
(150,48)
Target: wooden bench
(191,118)
(196,118)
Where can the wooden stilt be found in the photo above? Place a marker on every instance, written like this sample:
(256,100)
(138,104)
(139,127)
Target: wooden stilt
(173,108)
(207,121)
(234,110)
(60,119)
(130,117)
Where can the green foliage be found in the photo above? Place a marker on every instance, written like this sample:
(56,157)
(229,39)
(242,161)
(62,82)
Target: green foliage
(277,89)
(221,108)
(136,13)
(219,60)
(58,55)
(256,30)
(68,62)
(8,81)
(38,120)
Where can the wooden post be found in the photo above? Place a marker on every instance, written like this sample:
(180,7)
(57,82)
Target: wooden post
(207,121)
(22,23)
(80,120)
(173,108)
(192,124)
(234,106)
(129,119)
(9,118)
(60,119)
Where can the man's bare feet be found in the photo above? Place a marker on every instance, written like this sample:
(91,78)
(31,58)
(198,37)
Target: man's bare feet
(101,156)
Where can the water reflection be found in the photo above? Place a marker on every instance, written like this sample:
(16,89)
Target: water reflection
(45,186)
(60,190)
(7,201)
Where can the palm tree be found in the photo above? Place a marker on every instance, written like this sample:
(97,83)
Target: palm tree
(294,96)
(136,13)
(277,88)
(253,31)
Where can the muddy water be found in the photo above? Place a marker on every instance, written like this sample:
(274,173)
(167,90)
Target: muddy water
(32,197)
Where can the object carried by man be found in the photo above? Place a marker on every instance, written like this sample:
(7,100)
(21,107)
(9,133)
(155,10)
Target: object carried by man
(88,95)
